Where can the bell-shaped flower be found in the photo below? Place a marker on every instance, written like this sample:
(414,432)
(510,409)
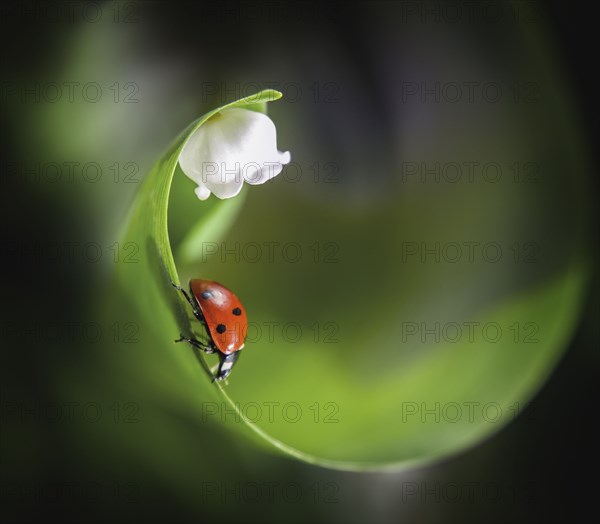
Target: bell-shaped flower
(234,146)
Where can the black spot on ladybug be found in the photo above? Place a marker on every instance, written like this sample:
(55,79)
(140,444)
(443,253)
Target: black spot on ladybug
(206,294)
(221,328)
(237,311)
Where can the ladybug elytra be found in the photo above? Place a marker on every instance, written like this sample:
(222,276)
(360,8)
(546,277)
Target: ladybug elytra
(224,317)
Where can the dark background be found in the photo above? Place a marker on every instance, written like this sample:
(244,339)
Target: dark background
(547,456)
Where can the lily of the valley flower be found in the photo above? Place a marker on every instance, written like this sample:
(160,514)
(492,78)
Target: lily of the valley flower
(233,146)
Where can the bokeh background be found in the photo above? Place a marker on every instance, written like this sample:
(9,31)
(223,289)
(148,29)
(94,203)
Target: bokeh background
(103,419)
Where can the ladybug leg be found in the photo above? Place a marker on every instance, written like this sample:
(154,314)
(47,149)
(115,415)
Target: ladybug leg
(226,363)
(196,344)
(195,308)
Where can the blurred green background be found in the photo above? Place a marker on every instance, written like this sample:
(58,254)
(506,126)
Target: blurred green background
(366,402)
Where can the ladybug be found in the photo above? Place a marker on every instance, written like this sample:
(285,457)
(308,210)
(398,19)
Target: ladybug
(222,314)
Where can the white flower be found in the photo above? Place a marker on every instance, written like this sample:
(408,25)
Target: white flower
(233,146)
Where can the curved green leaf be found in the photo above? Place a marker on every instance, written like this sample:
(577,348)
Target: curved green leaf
(369,395)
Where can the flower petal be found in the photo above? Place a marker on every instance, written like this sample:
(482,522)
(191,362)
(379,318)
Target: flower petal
(262,175)
(202,192)
(232,146)
(227,189)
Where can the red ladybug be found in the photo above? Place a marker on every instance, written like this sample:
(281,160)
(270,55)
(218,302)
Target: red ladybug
(222,314)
